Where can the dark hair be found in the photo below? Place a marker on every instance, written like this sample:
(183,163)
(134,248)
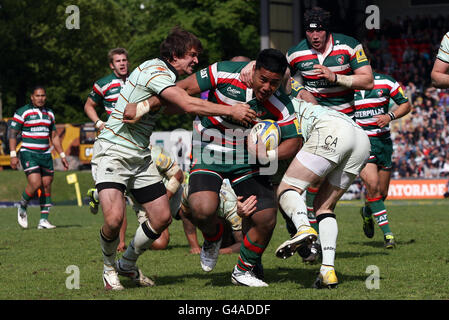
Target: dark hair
(115,51)
(272,60)
(178,43)
(37,87)
(317,16)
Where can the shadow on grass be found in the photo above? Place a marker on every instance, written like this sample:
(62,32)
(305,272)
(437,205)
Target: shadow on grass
(69,226)
(302,277)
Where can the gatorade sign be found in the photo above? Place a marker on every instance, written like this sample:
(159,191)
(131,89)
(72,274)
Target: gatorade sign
(417,189)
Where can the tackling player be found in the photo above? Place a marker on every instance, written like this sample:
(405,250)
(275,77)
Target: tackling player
(335,150)
(122,157)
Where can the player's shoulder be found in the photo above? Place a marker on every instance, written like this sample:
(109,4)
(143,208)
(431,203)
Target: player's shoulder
(106,79)
(155,67)
(302,45)
(382,76)
(24,108)
(231,66)
(340,38)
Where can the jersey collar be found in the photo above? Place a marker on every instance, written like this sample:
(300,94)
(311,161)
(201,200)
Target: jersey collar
(170,67)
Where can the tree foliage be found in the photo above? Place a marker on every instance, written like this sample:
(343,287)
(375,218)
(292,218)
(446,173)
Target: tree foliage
(37,48)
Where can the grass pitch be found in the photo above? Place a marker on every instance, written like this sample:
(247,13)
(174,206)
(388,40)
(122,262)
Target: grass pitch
(39,264)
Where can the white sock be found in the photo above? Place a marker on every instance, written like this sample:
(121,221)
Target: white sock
(109,249)
(328,237)
(293,205)
(144,237)
(96,195)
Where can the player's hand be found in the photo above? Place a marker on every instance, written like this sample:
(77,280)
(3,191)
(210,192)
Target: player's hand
(195,250)
(65,163)
(14,162)
(258,150)
(129,114)
(382,120)
(247,207)
(241,113)
(323,72)
(121,247)
(246,75)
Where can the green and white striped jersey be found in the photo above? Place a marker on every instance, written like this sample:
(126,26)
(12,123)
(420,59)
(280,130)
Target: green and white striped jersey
(223,139)
(443,52)
(369,103)
(36,125)
(106,90)
(343,57)
(148,79)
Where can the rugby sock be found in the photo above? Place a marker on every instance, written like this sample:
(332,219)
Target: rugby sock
(328,237)
(379,211)
(367,210)
(310,197)
(45,203)
(218,234)
(292,205)
(250,254)
(144,237)
(25,199)
(109,249)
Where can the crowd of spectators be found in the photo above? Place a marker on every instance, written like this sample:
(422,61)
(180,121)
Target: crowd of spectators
(406,49)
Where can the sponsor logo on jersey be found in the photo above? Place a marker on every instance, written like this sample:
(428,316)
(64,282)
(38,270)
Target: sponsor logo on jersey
(380,92)
(296,85)
(360,56)
(203,73)
(233,92)
(306,64)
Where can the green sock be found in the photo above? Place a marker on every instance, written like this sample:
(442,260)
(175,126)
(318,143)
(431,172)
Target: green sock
(310,197)
(250,254)
(45,203)
(379,212)
(25,199)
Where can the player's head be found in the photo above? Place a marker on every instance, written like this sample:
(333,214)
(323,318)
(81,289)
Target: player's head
(118,61)
(181,48)
(317,26)
(240,59)
(268,73)
(38,96)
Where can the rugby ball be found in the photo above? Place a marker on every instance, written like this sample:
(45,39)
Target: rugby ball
(269,132)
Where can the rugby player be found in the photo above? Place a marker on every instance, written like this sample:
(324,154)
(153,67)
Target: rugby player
(122,157)
(373,115)
(36,122)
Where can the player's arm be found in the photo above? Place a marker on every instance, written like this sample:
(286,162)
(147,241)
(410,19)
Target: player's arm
(399,112)
(190,232)
(14,160)
(56,141)
(288,148)
(440,74)
(89,109)
(307,96)
(362,79)
(175,178)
